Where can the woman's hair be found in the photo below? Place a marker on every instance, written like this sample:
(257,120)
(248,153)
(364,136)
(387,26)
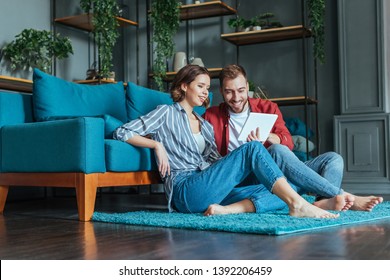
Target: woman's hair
(231,72)
(187,75)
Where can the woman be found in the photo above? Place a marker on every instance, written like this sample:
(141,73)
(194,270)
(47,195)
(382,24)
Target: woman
(196,178)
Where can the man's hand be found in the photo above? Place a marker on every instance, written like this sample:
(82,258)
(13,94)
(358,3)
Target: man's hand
(254,135)
(162,159)
(273,138)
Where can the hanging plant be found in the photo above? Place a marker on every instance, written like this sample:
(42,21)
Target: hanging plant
(36,49)
(317,19)
(165,19)
(105,30)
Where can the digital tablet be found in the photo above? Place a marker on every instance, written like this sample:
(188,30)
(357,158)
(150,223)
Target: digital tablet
(264,121)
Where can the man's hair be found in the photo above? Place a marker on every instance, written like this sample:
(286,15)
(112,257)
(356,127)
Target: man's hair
(187,75)
(231,72)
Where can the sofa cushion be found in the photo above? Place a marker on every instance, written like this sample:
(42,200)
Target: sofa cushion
(123,157)
(15,108)
(110,125)
(141,100)
(53,96)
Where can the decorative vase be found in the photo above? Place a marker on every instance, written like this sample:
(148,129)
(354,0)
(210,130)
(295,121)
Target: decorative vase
(197,61)
(179,61)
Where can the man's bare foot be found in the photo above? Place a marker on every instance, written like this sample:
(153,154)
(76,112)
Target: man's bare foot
(216,209)
(366,203)
(341,202)
(307,210)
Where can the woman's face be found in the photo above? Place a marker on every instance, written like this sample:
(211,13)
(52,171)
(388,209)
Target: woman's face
(197,91)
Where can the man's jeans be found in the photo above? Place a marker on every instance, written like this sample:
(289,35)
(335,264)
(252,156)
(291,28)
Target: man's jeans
(321,176)
(325,171)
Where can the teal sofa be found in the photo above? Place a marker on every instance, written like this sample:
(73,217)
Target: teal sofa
(61,136)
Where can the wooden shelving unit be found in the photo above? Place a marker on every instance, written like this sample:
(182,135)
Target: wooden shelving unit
(294,100)
(16,84)
(205,10)
(84,21)
(97,82)
(214,74)
(199,11)
(267,35)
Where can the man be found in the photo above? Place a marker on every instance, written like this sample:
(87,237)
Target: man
(326,170)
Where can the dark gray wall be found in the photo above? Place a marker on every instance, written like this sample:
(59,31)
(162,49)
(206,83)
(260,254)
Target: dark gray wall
(16,15)
(277,66)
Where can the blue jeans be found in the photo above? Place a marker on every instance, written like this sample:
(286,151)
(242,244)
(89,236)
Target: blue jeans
(321,176)
(194,191)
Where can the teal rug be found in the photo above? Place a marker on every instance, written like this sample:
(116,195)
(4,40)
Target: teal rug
(275,223)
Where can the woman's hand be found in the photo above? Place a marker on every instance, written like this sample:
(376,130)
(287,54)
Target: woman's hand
(162,158)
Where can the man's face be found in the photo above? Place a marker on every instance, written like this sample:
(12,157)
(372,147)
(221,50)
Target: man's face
(235,93)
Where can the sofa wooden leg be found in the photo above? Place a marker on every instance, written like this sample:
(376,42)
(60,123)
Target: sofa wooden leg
(3,197)
(86,187)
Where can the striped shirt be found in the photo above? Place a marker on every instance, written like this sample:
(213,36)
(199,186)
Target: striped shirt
(169,125)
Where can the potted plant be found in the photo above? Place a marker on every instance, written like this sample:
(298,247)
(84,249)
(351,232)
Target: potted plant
(239,24)
(105,30)
(266,21)
(36,49)
(165,19)
(316,16)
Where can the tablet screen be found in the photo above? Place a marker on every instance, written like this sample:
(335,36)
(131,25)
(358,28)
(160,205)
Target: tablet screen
(255,120)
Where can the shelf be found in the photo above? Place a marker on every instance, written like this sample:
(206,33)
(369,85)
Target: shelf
(294,100)
(214,74)
(84,21)
(97,82)
(16,84)
(267,35)
(205,10)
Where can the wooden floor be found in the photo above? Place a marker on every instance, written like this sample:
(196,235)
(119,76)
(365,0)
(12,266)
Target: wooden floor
(49,229)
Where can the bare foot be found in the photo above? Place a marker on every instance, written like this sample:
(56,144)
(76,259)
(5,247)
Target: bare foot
(305,209)
(341,202)
(216,209)
(366,203)
(242,206)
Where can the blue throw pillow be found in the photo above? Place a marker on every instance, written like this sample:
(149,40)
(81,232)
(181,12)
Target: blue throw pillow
(53,96)
(141,100)
(110,125)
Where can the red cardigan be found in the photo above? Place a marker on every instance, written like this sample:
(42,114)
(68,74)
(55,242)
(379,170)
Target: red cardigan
(219,116)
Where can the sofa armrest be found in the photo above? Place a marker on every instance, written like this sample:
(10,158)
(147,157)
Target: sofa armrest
(73,145)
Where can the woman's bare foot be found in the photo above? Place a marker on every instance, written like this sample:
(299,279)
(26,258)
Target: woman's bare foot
(366,203)
(341,202)
(216,209)
(243,206)
(307,210)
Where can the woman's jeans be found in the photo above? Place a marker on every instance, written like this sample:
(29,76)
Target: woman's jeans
(194,191)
